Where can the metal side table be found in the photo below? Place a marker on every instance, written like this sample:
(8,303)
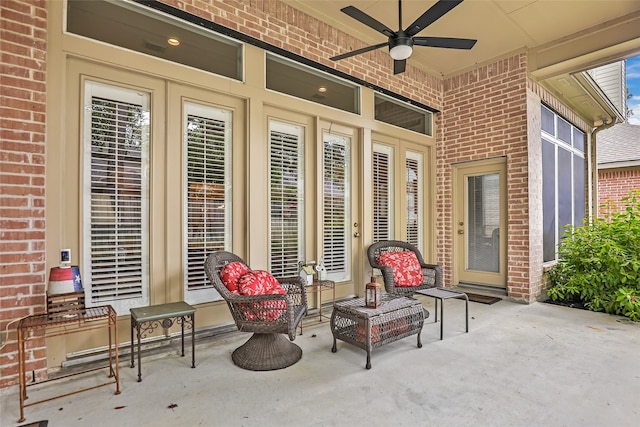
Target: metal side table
(443,294)
(146,319)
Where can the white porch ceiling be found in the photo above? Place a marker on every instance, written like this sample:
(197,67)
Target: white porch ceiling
(562,38)
(560,35)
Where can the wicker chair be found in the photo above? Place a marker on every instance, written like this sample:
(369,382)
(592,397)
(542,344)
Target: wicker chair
(432,273)
(267,349)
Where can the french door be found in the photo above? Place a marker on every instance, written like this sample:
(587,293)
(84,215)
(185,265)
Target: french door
(480,223)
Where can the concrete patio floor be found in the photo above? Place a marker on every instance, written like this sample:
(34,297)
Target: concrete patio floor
(520,365)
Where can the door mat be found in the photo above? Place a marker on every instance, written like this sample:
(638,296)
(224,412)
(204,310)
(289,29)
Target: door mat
(483,299)
(43,423)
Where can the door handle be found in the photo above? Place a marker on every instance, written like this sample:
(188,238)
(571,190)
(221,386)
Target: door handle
(460,231)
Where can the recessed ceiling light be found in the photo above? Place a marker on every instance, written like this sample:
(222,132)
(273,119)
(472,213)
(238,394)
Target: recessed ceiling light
(173,41)
(322,89)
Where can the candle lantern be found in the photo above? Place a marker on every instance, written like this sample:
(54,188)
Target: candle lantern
(372,294)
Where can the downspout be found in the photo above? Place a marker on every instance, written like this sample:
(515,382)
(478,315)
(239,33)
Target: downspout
(600,125)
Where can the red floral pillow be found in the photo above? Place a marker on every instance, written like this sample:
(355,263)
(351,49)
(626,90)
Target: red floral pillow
(230,273)
(406,268)
(259,282)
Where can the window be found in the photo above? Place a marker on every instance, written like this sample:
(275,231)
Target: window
(382,192)
(142,30)
(414,193)
(116,202)
(563,179)
(403,115)
(336,207)
(483,222)
(207,133)
(286,184)
(306,83)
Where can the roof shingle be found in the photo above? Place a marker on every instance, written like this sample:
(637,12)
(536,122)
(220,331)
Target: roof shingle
(618,144)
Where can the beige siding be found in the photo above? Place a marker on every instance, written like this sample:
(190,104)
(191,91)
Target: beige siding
(612,80)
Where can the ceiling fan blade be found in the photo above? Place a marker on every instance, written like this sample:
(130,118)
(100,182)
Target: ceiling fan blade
(446,42)
(358,51)
(359,15)
(399,66)
(434,13)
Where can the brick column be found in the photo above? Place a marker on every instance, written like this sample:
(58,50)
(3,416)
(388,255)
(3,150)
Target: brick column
(23,30)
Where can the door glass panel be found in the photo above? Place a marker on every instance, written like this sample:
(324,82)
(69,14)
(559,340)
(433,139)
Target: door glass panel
(116,227)
(483,223)
(336,220)
(207,141)
(414,190)
(286,184)
(383,175)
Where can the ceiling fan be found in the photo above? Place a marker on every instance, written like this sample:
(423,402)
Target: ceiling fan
(401,42)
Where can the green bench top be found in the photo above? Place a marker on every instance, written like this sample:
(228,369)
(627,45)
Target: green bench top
(161,311)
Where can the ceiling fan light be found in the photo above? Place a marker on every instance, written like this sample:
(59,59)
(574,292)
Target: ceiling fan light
(400,52)
(400,47)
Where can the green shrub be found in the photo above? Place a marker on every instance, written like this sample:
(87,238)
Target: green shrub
(599,263)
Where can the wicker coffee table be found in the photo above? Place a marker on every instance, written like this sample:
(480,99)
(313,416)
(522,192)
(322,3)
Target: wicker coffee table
(369,328)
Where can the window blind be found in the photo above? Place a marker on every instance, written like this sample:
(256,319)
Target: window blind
(382,193)
(116,174)
(336,219)
(286,200)
(208,142)
(414,179)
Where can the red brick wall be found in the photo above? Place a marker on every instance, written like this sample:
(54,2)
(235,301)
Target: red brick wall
(22,176)
(615,184)
(484,115)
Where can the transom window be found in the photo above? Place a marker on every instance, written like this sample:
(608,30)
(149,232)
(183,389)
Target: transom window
(150,32)
(306,83)
(403,115)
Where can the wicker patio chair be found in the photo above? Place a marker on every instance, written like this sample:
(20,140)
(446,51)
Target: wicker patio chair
(267,316)
(432,273)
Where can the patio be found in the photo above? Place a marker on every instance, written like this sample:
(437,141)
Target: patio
(519,365)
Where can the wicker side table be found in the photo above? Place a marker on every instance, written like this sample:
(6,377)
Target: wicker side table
(369,328)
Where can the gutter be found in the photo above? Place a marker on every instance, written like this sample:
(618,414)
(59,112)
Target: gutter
(592,164)
(610,116)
